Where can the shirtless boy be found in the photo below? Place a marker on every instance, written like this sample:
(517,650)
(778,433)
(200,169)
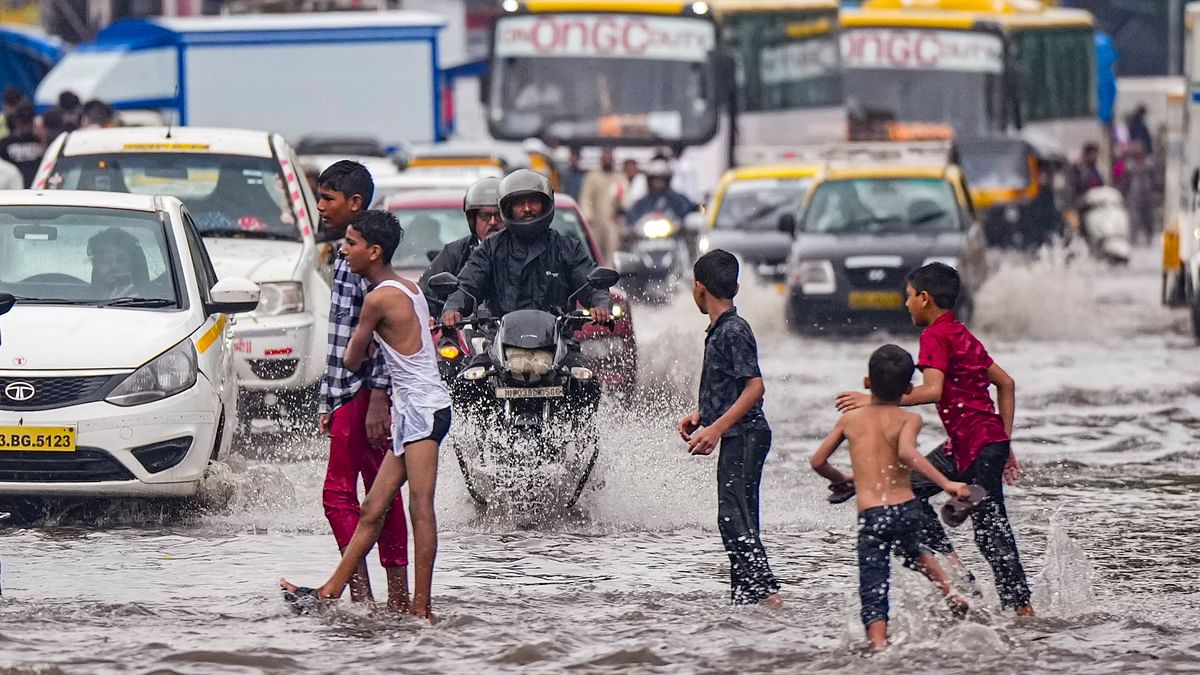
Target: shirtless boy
(396,316)
(883,449)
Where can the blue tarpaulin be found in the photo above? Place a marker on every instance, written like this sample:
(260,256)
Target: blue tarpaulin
(25,57)
(1106,74)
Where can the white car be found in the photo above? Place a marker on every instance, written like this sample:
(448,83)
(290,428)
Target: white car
(258,217)
(116,362)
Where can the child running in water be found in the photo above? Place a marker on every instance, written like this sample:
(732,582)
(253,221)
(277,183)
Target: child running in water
(396,316)
(883,449)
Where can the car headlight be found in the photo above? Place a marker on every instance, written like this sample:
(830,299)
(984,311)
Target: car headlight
(280,297)
(172,372)
(703,244)
(658,228)
(815,277)
(950,261)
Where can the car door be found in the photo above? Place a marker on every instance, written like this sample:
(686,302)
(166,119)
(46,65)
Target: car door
(214,349)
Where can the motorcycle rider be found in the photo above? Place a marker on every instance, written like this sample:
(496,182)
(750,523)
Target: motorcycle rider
(481,204)
(527,265)
(659,195)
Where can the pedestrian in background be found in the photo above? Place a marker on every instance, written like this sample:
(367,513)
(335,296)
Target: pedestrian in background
(601,200)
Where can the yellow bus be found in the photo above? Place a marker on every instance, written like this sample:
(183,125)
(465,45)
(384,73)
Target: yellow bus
(922,69)
(604,72)
(788,76)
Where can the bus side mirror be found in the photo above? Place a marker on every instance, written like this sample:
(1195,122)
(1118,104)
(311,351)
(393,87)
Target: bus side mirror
(1196,179)
(725,73)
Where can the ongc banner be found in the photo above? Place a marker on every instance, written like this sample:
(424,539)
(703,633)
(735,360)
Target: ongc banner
(915,49)
(605,35)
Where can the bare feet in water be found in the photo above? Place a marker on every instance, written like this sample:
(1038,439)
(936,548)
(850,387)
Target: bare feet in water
(772,600)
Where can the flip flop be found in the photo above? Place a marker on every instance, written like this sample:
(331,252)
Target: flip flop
(956,510)
(840,492)
(303,602)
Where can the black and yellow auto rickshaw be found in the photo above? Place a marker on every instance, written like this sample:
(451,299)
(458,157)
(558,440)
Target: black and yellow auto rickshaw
(1011,191)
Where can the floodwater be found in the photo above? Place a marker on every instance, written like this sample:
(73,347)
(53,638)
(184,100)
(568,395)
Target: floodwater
(1106,518)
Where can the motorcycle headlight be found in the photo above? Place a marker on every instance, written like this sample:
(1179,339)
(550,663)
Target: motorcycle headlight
(950,261)
(474,373)
(280,297)
(658,228)
(815,277)
(449,352)
(703,244)
(172,372)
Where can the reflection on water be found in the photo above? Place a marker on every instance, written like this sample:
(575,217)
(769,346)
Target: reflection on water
(636,579)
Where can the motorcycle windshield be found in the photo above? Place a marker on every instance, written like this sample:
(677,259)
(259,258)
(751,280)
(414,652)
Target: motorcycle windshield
(527,329)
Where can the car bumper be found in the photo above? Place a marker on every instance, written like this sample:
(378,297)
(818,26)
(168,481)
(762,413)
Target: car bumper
(107,436)
(836,310)
(277,353)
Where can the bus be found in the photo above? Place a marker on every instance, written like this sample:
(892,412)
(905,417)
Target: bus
(936,69)
(788,76)
(604,72)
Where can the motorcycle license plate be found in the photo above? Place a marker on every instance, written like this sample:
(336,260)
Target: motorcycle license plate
(528,392)
(41,439)
(875,300)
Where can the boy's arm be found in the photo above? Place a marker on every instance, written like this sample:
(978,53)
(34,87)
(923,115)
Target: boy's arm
(1006,395)
(820,459)
(929,391)
(704,441)
(917,462)
(356,351)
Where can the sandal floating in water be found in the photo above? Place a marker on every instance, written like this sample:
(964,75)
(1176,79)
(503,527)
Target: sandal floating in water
(303,601)
(840,492)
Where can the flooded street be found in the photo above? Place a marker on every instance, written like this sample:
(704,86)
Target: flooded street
(1108,429)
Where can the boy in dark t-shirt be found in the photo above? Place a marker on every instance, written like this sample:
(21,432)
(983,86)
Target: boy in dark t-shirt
(957,373)
(730,413)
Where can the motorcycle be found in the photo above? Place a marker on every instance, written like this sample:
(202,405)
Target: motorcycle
(1106,224)
(655,258)
(528,400)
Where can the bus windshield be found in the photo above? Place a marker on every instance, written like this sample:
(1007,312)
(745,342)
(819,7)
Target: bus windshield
(633,79)
(785,59)
(904,84)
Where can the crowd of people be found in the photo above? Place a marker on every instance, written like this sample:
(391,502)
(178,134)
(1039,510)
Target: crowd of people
(24,135)
(386,410)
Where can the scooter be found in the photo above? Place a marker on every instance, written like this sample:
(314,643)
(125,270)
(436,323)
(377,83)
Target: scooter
(529,399)
(655,258)
(1105,224)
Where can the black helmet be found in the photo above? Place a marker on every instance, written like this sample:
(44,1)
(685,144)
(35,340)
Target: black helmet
(483,193)
(524,183)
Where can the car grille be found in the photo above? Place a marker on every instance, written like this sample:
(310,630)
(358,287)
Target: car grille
(85,465)
(274,369)
(52,392)
(889,278)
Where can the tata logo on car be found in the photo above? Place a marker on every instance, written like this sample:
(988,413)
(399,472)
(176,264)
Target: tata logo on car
(19,391)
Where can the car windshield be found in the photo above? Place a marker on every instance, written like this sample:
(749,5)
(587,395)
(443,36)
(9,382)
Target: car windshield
(760,204)
(427,231)
(83,255)
(883,206)
(995,168)
(227,195)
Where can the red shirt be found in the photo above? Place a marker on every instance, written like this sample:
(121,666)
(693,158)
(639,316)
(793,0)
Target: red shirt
(966,406)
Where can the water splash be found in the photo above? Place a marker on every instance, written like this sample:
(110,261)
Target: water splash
(1064,586)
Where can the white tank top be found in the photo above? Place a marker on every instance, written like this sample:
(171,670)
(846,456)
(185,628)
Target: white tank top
(415,379)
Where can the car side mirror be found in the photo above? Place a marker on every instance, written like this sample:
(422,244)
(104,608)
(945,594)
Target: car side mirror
(693,222)
(603,277)
(443,284)
(787,223)
(233,296)
(6,302)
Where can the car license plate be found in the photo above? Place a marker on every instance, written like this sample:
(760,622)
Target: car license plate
(876,300)
(39,439)
(529,392)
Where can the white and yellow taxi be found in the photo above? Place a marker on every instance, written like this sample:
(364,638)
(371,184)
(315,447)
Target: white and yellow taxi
(258,218)
(116,362)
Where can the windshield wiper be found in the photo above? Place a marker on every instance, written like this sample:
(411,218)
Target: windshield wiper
(247,234)
(138,302)
(50,301)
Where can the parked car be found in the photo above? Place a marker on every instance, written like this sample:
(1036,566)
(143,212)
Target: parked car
(864,228)
(258,218)
(117,365)
(433,219)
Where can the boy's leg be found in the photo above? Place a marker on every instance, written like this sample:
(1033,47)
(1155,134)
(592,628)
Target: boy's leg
(339,496)
(993,532)
(393,539)
(739,471)
(874,549)
(911,529)
(370,523)
(933,535)
(421,458)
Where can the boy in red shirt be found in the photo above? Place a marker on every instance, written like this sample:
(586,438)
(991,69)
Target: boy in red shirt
(957,373)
